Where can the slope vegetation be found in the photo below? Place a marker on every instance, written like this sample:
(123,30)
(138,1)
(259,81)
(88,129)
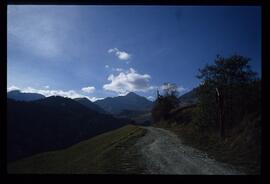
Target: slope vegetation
(109,153)
(241,148)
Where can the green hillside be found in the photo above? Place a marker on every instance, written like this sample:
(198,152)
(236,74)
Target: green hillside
(111,152)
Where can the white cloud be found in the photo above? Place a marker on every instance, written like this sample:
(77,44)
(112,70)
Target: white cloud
(107,66)
(128,81)
(119,69)
(122,55)
(11,88)
(94,98)
(151,98)
(180,89)
(166,86)
(111,50)
(89,89)
(47,87)
(47,93)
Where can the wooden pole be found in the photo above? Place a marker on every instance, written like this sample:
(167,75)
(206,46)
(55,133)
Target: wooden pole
(220,102)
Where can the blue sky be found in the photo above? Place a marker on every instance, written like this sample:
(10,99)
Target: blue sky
(100,51)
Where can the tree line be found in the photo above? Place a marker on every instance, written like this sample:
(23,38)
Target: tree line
(228,91)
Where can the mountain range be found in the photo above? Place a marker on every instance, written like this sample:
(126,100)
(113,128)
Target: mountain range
(131,101)
(52,123)
(119,105)
(86,102)
(113,105)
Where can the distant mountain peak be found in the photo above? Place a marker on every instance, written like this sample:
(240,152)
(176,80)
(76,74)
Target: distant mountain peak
(55,99)
(131,101)
(132,94)
(15,91)
(89,104)
(22,96)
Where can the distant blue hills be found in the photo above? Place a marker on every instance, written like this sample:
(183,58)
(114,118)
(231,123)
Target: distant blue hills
(113,105)
(19,96)
(131,101)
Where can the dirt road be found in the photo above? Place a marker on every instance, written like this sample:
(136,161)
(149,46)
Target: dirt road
(163,153)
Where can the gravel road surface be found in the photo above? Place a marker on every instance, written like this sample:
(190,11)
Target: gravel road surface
(163,153)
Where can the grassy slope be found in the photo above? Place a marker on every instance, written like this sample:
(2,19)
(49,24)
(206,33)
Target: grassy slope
(111,152)
(241,148)
(142,118)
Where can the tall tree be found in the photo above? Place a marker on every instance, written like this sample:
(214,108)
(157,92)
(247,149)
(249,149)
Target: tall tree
(233,77)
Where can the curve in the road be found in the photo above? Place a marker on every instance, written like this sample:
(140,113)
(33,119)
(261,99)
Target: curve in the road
(163,153)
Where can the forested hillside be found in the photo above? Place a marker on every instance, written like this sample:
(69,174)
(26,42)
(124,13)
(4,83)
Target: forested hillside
(226,121)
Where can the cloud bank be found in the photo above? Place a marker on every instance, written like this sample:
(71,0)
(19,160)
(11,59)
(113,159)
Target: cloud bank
(47,92)
(128,81)
(89,89)
(11,88)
